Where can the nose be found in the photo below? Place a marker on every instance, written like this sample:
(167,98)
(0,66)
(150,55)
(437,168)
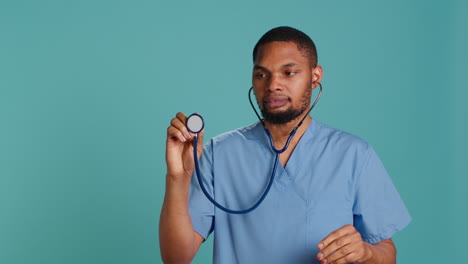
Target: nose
(274,83)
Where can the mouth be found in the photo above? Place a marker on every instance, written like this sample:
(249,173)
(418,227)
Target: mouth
(273,102)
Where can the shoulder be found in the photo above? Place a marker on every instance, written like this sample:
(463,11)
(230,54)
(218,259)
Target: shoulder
(239,135)
(339,140)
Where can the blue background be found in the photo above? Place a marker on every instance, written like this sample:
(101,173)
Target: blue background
(87,90)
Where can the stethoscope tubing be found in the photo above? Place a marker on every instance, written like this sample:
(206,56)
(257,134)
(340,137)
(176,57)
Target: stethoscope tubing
(275,165)
(230,211)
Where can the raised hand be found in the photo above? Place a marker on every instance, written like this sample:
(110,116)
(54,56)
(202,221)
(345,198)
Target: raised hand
(179,148)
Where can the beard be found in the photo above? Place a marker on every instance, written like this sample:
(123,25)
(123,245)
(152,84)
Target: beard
(289,114)
(282,117)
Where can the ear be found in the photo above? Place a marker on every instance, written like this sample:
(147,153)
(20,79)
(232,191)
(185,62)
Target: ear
(317,73)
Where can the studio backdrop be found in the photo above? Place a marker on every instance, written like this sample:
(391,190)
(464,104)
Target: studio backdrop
(88,88)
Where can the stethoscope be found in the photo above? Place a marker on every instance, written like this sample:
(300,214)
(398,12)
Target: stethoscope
(195,124)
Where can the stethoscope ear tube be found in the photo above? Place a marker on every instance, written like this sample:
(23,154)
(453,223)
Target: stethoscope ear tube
(293,132)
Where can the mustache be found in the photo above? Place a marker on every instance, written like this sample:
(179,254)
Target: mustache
(275,97)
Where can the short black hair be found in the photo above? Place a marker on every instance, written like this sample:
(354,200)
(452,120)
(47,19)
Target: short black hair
(288,34)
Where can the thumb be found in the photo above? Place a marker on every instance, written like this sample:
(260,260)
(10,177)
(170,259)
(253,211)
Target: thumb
(200,143)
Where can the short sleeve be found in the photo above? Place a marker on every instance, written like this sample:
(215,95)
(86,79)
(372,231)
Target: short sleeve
(200,208)
(378,210)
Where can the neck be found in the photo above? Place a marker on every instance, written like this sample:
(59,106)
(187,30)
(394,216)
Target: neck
(280,132)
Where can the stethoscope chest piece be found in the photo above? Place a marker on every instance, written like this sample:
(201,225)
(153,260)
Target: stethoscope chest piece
(195,123)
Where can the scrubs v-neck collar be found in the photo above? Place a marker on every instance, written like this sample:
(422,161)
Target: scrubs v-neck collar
(285,175)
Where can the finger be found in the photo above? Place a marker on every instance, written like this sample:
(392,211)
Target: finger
(336,244)
(335,235)
(200,143)
(183,119)
(174,133)
(334,250)
(341,247)
(177,123)
(341,253)
(351,257)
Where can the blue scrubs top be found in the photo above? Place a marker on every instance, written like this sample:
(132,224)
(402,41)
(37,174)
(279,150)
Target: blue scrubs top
(332,179)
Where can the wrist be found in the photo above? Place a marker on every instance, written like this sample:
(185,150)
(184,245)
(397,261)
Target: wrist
(369,253)
(177,192)
(177,183)
(179,178)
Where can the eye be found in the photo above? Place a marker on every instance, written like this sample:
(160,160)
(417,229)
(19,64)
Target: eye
(290,73)
(260,75)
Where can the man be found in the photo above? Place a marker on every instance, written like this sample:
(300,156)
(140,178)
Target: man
(331,202)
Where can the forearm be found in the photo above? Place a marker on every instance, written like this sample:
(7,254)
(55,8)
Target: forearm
(383,252)
(176,234)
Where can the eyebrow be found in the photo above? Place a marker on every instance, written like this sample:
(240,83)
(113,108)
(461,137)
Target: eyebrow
(259,67)
(291,64)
